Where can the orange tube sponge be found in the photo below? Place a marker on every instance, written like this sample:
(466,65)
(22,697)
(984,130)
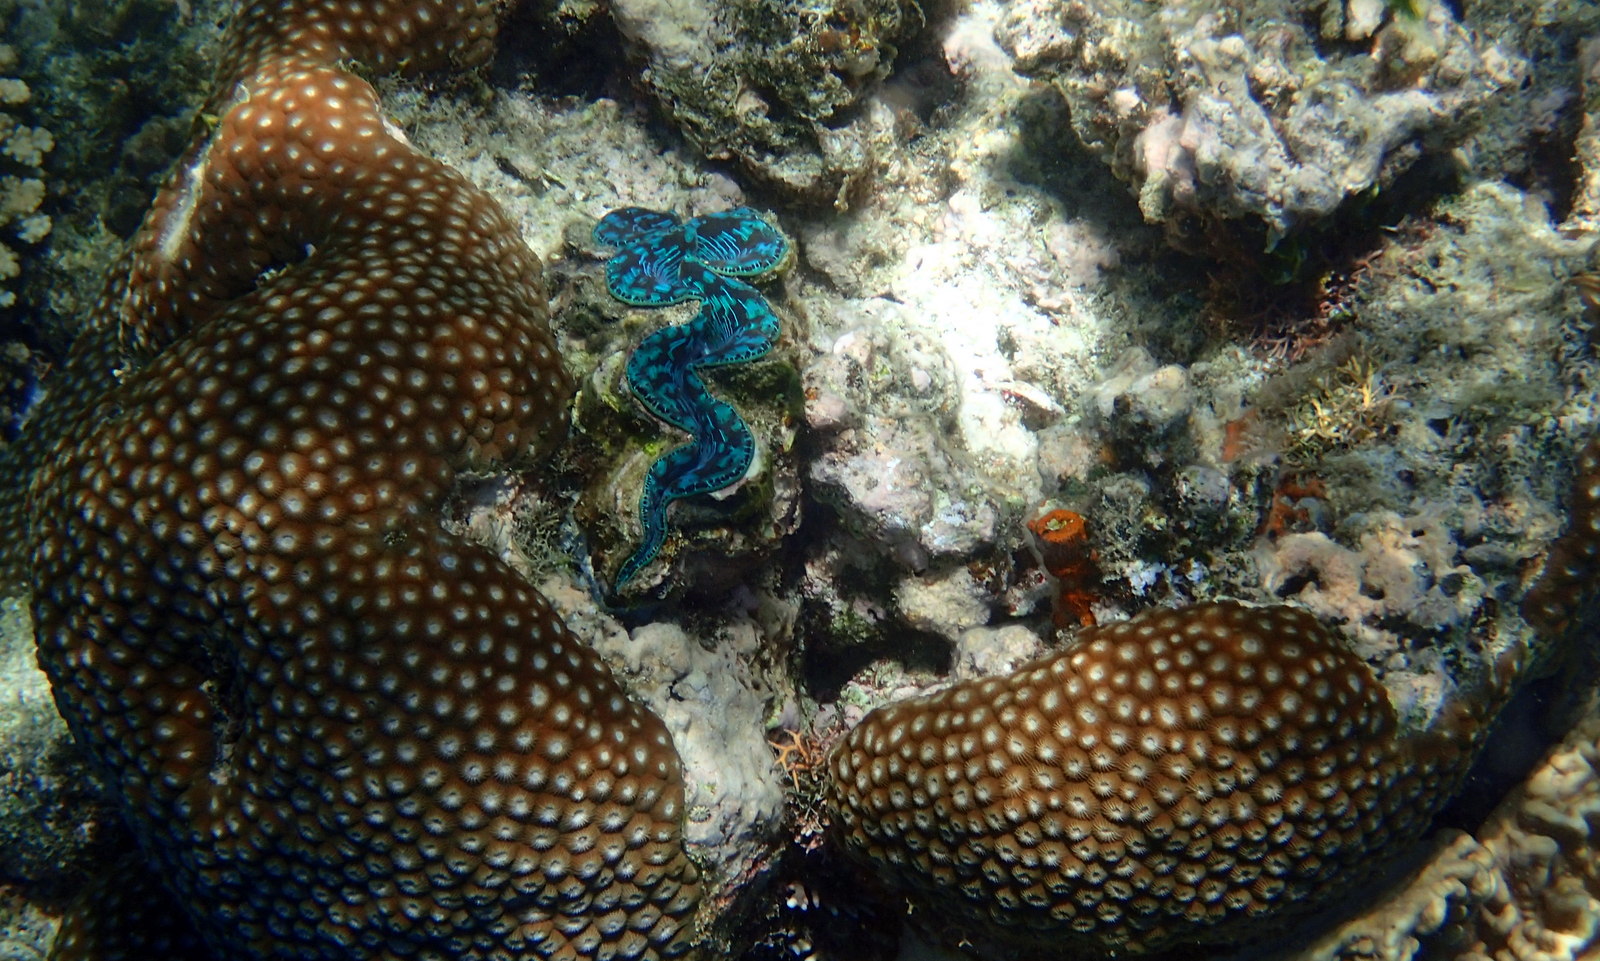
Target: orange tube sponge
(1193,775)
(336,730)
(1063,539)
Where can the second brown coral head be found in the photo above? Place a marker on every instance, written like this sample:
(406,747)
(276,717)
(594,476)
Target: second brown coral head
(1197,775)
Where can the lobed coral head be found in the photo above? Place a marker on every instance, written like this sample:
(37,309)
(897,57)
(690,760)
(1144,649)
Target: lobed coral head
(1193,775)
(336,730)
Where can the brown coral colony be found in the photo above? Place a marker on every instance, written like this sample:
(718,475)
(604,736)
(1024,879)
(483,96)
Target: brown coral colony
(1190,775)
(336,730)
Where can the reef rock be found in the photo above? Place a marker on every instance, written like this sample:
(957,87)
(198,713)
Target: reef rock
(1586,205)
(772,87)
(1276,111)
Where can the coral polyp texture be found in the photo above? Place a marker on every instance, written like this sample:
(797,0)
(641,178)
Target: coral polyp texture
(664,261)
(336,730)
(1193,775)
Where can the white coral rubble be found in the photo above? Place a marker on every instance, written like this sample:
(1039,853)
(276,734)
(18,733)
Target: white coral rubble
(21,187)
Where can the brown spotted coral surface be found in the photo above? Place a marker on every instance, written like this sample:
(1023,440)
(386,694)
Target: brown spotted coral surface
(336,731)
(1186,776)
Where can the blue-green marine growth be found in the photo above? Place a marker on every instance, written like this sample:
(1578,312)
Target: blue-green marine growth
(664,261)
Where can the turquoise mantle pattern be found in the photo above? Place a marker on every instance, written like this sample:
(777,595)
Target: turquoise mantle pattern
(664,261)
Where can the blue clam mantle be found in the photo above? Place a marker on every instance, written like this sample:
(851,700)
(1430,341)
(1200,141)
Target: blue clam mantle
(664,261)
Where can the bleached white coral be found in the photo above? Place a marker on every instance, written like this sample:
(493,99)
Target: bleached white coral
(22,190)
(27,145)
